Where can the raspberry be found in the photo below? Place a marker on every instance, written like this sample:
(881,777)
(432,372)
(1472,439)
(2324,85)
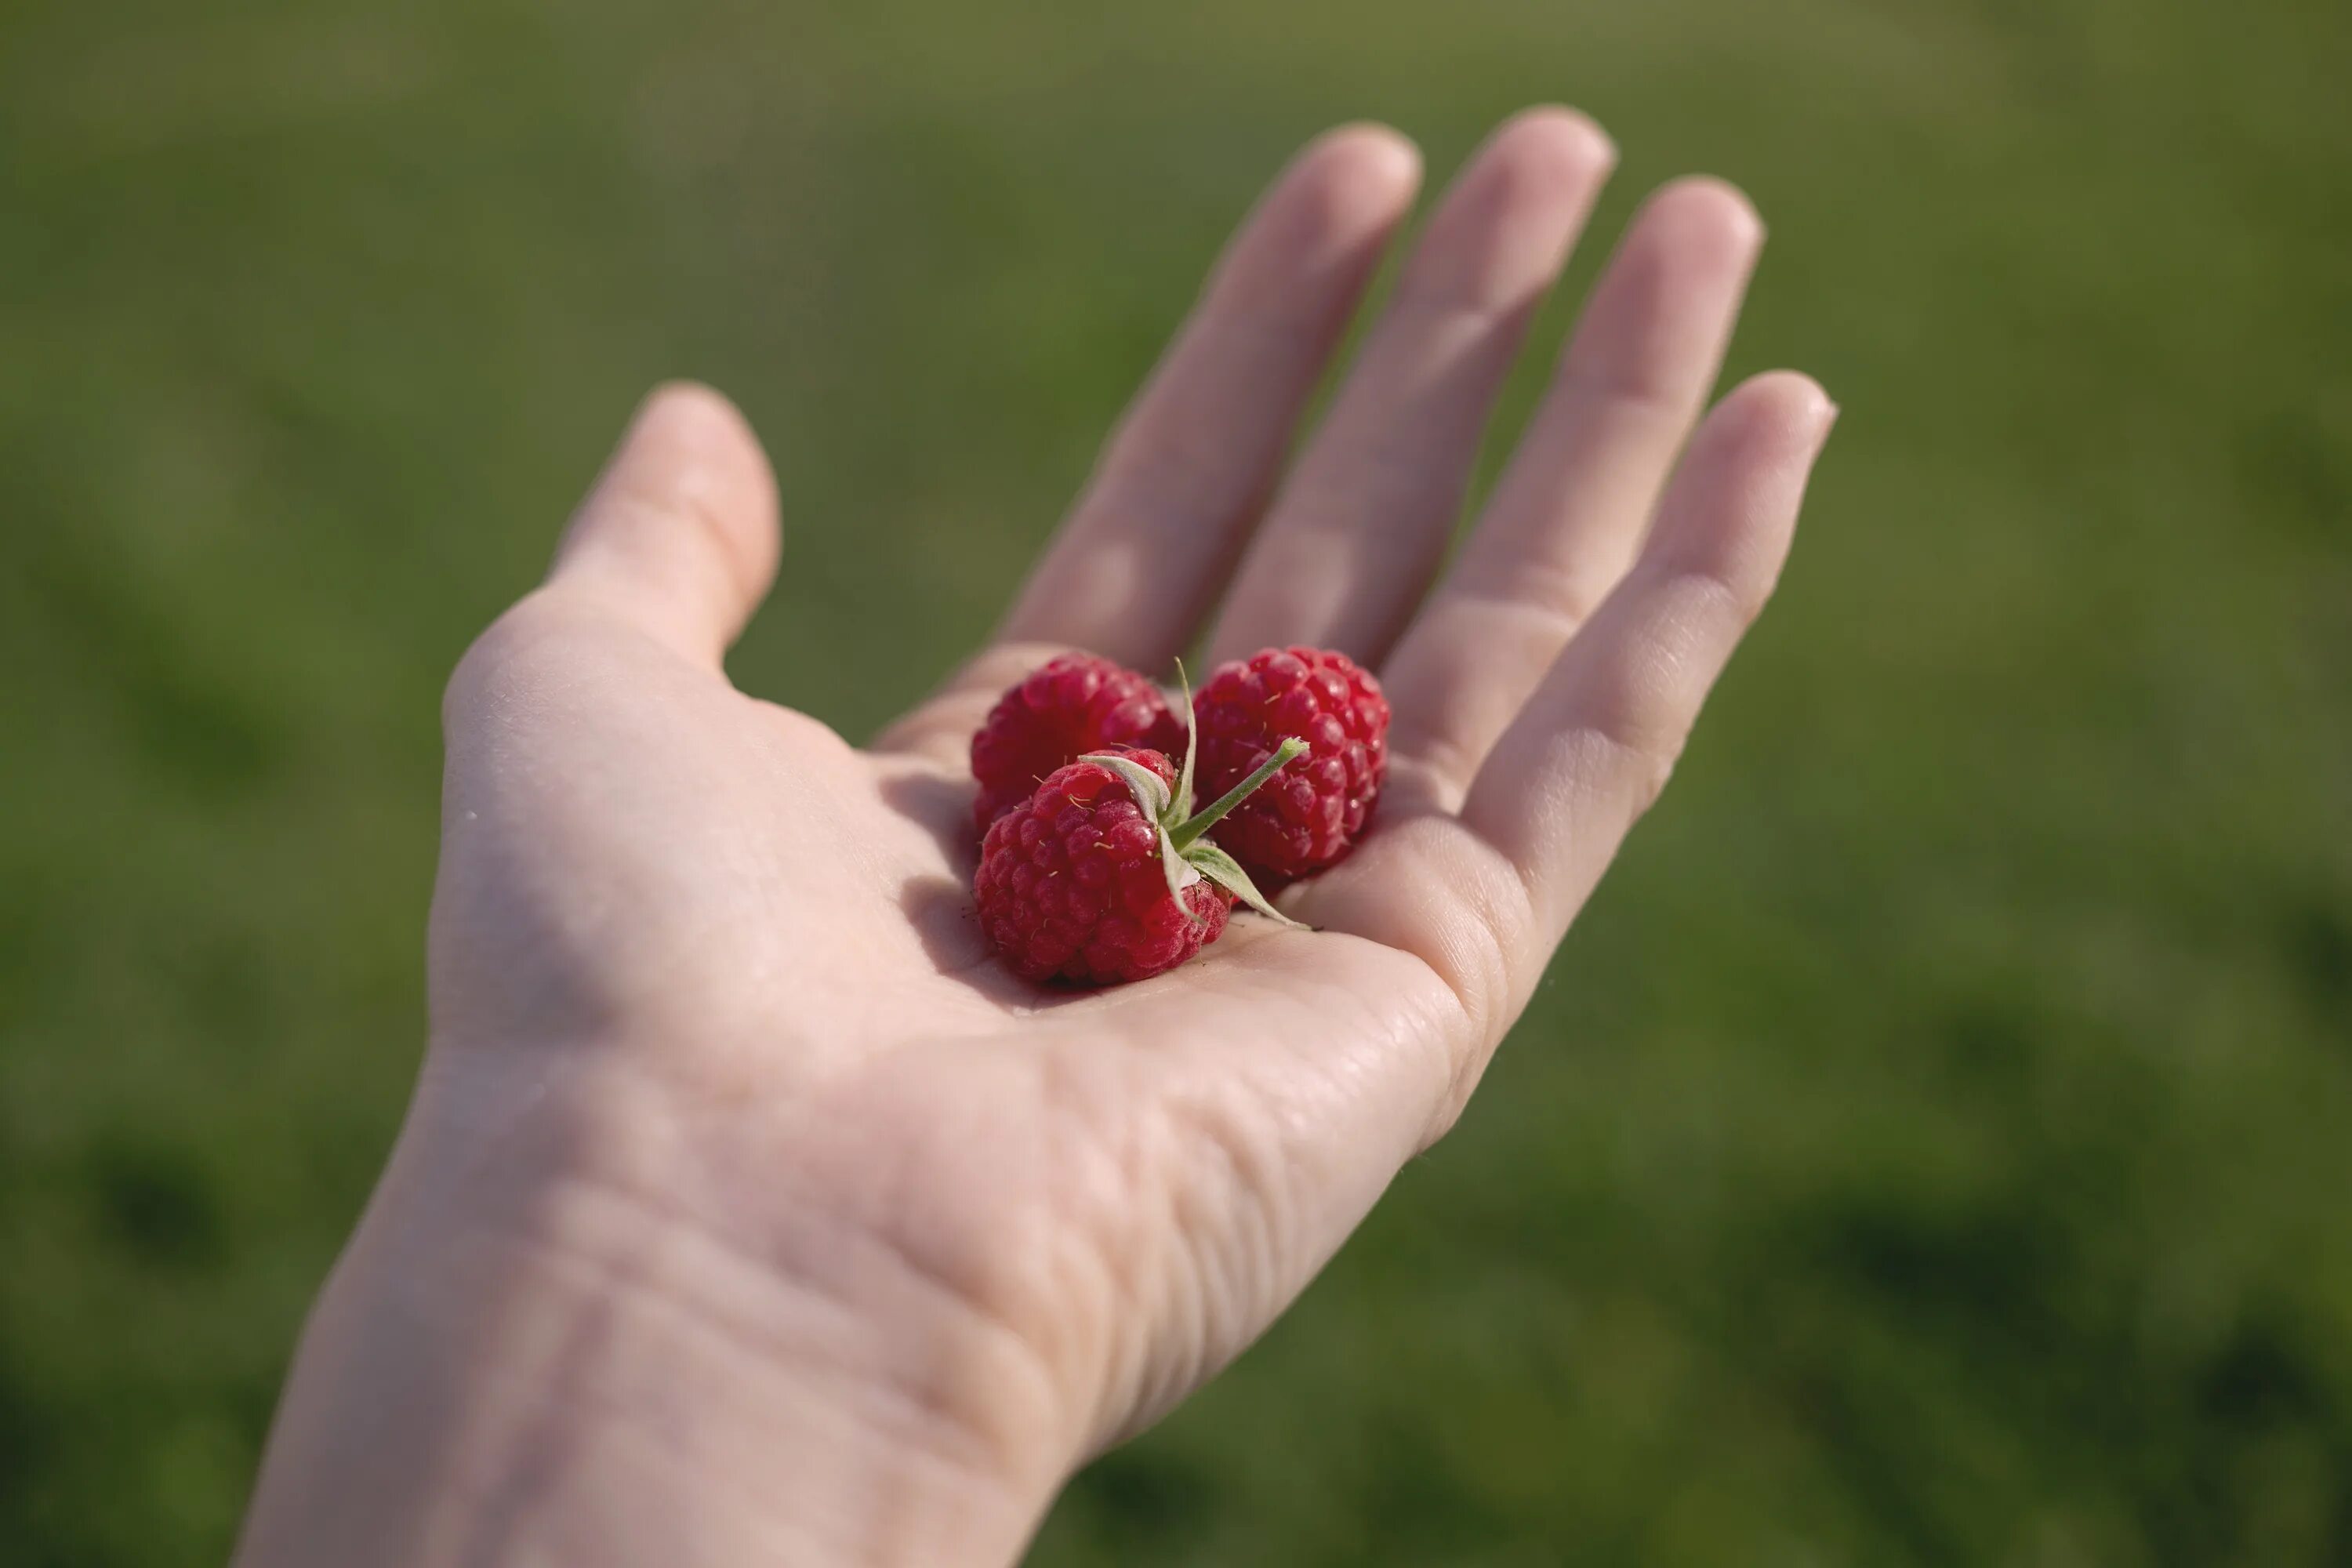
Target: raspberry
(1103,875)
(1071,886)
(1312,815)
(1072,705)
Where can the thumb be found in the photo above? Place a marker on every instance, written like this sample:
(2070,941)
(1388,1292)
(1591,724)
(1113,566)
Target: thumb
(680,538)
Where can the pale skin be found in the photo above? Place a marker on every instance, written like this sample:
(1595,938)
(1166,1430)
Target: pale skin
(748,1210)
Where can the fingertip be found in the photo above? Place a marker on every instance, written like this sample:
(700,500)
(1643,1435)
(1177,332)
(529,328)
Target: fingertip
(1702,209)
(1782,405)
(690,449)
(1321,227)
(683,398)
(1556,134)
(1510,216)
(1734,503)
(696,424)
(1548,156)
(1359,172)
(680,533)
(1373,140)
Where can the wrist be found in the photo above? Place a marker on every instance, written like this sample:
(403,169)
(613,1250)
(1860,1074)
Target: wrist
(516,1361)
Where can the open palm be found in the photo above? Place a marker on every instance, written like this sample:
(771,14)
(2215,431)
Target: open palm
(718,1045)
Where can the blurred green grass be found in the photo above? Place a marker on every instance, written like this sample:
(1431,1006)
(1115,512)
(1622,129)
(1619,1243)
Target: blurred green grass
(1932,1148)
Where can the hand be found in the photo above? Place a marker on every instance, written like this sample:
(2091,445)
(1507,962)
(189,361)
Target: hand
(747,1210)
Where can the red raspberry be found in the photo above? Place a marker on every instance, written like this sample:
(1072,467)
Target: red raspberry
(1073,704)
(1310,817)
(1071,885)
(1106,873)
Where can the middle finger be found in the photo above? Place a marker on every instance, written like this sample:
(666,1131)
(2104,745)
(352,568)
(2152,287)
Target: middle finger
(1351,543)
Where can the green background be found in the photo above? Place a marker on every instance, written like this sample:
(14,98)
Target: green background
(1933,1147)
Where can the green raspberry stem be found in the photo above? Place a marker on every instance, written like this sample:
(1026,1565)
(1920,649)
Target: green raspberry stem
(1200,822)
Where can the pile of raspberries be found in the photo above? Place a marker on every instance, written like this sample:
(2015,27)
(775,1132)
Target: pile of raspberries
(1096,868)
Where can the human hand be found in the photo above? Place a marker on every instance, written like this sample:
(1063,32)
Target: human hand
(747,1210)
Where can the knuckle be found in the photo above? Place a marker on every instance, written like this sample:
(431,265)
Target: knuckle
(1554,597)
(684,540)
(1430,771)
(1648,781)
(1642,732)
(1706,591)
(1625,395)
(1737,597)
(1645,764)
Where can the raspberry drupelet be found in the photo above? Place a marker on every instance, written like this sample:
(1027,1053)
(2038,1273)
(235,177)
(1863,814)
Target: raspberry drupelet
(1309,818)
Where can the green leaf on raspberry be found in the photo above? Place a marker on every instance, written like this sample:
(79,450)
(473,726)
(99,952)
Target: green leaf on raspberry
(1192,746)
(1176,829)
(1151,791)
(1182,873)
(1158,807)
(1226,872)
